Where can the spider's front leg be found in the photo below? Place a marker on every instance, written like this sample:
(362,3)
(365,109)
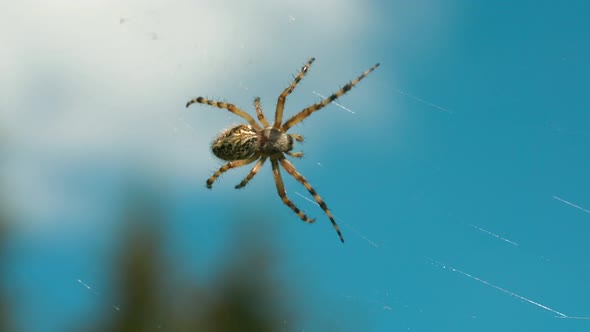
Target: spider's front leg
(297,154)
(298,138)
(287,91)
(259,113)
(295,119)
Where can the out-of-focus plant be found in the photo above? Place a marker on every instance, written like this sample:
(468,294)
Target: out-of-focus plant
(5,317)
(5,321)
(243,297)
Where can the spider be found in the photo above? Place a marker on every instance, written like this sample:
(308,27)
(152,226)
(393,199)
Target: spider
(246,143)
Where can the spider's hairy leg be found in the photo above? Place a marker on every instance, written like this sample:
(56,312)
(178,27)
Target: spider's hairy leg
(294,173)
(259,113)
(297,154)
(282,193)
(287,91)
(316,107)
(297,137)
(230,165)
(252,173)
(230,107)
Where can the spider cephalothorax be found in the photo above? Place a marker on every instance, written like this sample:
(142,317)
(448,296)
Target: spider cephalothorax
(244,144)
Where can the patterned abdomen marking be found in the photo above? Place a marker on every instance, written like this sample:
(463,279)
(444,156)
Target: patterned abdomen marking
(239,142)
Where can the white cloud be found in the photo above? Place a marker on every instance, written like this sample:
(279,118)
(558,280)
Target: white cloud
(96,84)
(102,84)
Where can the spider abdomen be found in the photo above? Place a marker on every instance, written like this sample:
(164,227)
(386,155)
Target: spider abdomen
(239,142)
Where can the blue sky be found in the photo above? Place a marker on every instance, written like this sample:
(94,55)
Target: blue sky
(460,178)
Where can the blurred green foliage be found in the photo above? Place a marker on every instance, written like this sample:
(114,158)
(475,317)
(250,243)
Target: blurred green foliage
(5,318)
(150,297)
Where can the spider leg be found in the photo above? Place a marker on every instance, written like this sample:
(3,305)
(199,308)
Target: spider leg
(286,92)
(230,165)
(294,173)
(259,113)
(253,172)
(316,107)
(283,194)
(297,137)
(230,107)
(297,154)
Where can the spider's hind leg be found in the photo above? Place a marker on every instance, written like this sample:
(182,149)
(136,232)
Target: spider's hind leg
(283,194)
(230,107)
(252,173)
(230,165)
(294,173)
